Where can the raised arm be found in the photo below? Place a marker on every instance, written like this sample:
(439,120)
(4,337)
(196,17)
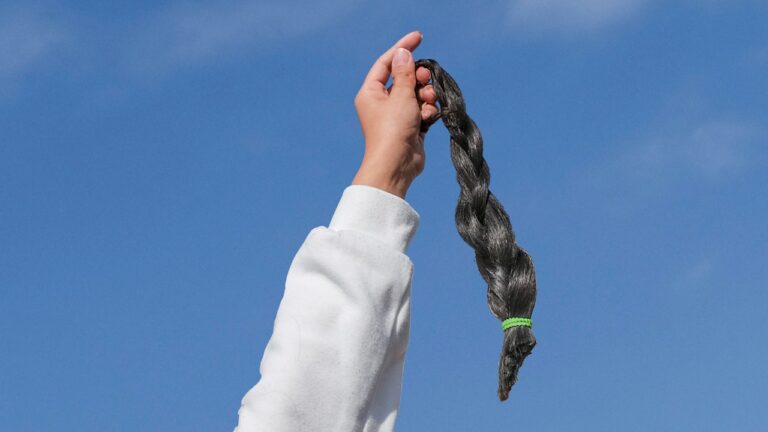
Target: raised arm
(335,358)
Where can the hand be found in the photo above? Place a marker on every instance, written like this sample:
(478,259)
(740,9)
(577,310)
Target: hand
(391,118)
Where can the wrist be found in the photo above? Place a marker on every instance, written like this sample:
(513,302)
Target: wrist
(389,182)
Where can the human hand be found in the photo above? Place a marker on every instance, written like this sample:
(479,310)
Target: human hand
(391,118)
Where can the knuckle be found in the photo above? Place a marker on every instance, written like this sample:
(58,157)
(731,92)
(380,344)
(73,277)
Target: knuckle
(407,72)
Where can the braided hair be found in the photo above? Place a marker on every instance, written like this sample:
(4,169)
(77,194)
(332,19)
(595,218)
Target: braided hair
(483,224)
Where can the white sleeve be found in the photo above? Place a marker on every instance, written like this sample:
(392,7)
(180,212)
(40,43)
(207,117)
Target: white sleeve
(334,361)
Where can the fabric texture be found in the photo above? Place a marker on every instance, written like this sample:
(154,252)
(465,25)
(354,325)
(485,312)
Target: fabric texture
(335,359)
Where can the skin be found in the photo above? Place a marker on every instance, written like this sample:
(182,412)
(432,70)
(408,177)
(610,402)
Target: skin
(391,118)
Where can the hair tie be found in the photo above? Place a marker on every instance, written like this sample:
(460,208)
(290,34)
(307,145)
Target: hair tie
(516,322)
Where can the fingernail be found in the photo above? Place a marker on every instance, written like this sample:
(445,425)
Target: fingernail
(402,56)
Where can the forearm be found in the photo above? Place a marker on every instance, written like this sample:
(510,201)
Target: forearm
(335,359)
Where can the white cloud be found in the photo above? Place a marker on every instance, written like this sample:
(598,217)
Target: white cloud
(694,277)
(712,149)
(722,146)
(184,35)
(537,17)
(698,272)
(27,37)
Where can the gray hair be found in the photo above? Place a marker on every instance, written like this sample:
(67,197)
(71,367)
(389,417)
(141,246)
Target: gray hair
(484,224)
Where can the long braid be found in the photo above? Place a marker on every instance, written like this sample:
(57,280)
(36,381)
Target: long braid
(484,224)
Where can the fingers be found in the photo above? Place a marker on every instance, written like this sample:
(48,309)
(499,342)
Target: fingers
(427,94)
(379,74)
(422,79)
(403,74)
(422,75)
(428,111)
(427,100)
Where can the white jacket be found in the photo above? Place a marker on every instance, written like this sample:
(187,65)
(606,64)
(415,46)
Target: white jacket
(334,361)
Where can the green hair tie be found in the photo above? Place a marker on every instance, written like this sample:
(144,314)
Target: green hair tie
(515,322)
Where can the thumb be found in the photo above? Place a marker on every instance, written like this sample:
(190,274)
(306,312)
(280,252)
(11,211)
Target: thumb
(404,74)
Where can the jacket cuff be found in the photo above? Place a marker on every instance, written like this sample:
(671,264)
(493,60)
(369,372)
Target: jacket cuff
(377,212)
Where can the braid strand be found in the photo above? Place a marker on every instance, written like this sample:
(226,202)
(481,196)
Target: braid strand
(483,224)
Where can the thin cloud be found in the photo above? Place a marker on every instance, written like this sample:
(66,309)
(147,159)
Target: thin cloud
(755,58)
(27,37)
(190,35)
(565,17)
(694,278)
(712,150)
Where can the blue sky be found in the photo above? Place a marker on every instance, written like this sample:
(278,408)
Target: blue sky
(161,163)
